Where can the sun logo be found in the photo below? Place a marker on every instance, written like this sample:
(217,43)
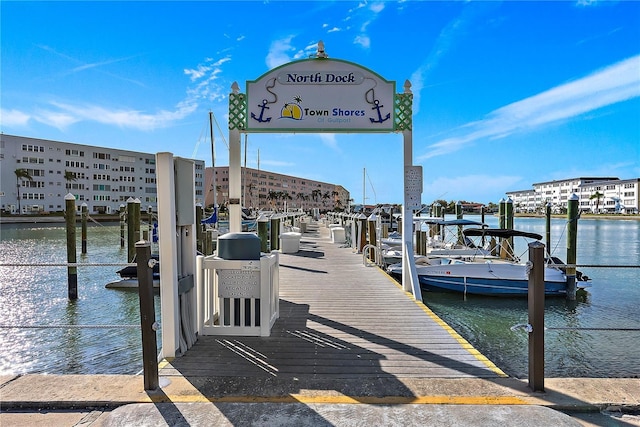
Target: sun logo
(291,110)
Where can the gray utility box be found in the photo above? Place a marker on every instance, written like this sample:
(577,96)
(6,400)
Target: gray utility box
(239,246)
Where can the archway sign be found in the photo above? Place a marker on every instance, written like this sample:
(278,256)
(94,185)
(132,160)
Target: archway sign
(323,95)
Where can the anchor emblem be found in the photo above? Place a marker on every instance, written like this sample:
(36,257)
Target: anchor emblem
(263,107)
(377,108)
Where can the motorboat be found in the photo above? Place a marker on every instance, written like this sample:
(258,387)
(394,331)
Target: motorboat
(488,275)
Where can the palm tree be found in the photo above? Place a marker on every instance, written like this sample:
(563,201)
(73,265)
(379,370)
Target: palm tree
(273,195)
(70,176)
(326,196)
(597,195)
(21,175)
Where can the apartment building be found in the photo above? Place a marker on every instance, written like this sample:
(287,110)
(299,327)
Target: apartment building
(596,195)
(273,191)
(103,178)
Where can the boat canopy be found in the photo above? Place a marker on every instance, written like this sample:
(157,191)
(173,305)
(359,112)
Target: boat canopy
(500,232)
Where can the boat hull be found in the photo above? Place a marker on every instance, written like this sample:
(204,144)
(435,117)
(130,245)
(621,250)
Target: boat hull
(495,279)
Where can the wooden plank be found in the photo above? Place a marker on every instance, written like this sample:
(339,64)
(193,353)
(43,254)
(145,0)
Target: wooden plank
(339,319)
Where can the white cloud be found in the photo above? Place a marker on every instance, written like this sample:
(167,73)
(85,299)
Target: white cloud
(363,41)
(329,140)
(13,118)
(57,119)
(616,83)
(279,52)
(121,117)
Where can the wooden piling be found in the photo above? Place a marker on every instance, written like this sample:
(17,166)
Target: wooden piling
(83,234)
(148,324)
(536,316)
(263,233)
(133,227)
(548,227)
(363,232)
(482,221)
(459,215)
(501,214)
(123,220)
(508,213)
(572,245)
(274,239)
(70,218)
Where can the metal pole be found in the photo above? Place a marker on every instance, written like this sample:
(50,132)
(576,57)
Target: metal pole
(572,239)
(72,272)
(148,324)
(536,316)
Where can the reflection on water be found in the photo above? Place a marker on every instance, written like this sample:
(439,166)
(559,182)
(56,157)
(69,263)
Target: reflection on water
(37,296)
(611,303)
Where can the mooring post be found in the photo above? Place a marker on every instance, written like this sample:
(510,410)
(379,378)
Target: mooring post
(536,316)
(133,226)
(148,324)
(482,221)
(85,215)
(548,227)
(508,213)
(572,247)
(363,232)
(122,223)
(437,212)
(72,271)
(263,232)
(274,238)
(459,215)
(501,214)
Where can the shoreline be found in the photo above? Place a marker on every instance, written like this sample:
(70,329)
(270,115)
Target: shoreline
(59,219)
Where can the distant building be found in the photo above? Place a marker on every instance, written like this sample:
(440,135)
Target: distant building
(596,195)
(273,191)
(103,178)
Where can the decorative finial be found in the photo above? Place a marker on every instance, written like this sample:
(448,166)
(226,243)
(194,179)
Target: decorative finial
(321,53)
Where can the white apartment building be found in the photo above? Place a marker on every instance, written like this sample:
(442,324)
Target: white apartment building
(596,195)
(103,178)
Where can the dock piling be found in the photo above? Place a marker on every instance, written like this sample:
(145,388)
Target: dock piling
(536,316)
(72,272)
(148,324)
(85,216)
(133,226)
(572,239)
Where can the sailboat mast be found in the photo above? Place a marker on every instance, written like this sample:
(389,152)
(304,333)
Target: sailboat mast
(213,161)
(364,187)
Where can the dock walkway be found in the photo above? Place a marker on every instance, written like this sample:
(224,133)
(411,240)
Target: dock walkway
(351,348)
(339,320)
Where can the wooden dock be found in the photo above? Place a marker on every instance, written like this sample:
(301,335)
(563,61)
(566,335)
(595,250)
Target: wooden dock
(341,323)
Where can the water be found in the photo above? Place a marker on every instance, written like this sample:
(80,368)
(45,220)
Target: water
(612,302)
(38,296)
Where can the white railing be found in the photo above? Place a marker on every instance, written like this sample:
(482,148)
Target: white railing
(238,297)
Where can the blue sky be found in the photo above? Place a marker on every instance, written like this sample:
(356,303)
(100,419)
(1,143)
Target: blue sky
(506,94)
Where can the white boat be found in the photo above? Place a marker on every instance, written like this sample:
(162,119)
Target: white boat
(486,276)
(129,276)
